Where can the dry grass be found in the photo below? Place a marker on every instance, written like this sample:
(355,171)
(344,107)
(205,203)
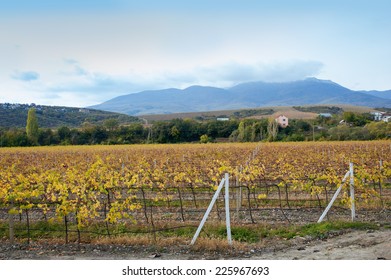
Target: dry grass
(288,111)
(141,240)
(202,245)
(292,113)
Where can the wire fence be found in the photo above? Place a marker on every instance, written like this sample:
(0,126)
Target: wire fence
(182,207)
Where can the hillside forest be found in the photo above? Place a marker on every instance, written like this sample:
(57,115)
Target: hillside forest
(337,127)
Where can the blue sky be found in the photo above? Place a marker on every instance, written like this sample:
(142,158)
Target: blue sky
(83,52)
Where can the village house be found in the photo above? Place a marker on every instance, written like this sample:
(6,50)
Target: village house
(325,115)
(282,121)
(386,118)
(381,116)
(377,116)
(83,110)
(223,119)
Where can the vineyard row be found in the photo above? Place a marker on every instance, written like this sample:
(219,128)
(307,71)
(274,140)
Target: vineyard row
(132,185)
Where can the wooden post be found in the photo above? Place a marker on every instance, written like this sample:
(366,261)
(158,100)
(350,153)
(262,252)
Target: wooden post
(66,229)
(145,205)
(11,223)
(28,226)
(227,214)
(353,207)
(239,194)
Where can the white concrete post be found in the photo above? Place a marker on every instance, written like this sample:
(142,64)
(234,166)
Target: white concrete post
(353,207)
(227,214)
(237,193)
(207,212)
(333,198)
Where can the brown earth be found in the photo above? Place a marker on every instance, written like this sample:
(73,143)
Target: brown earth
(348,244)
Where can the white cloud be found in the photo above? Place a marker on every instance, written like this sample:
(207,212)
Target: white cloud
(26,76)
(74,84)
(141,46)
(232,73)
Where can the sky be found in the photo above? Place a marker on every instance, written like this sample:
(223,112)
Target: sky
(84,52)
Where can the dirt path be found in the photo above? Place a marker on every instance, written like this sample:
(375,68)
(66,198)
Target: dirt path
(355,245)
(363,245)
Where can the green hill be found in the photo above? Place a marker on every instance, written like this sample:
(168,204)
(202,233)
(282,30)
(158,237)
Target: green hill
(15,116)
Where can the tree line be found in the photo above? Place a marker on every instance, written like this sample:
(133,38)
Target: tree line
(348,126)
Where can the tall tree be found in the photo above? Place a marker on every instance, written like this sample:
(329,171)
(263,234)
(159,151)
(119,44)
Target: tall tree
(111,124)
(32,126)
(272,129)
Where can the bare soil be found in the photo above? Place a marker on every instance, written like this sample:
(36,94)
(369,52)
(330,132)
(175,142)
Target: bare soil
(348,244)
(351,245)
(343,244)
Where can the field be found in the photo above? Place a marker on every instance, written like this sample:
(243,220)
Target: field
(156,195)
(262,112)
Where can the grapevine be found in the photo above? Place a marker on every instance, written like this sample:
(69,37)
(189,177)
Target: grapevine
(128,184)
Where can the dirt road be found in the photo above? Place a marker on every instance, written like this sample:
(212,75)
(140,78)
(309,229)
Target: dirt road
(355,245)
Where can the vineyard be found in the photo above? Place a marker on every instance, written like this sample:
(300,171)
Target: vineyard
(120,190)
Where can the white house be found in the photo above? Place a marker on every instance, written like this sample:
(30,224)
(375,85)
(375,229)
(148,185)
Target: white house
(282,121)
(386,118)
(83,110)
(381,116)
(377,116)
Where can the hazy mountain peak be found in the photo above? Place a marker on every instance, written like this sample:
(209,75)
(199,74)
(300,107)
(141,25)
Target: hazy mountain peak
(246,95)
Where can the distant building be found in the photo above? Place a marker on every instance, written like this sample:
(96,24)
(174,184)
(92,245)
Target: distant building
(223,119)
(381,116)
(282,121)
(377,116)
(386,118)
(325,115)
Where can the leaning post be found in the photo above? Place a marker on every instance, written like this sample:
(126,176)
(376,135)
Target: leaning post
(215,196)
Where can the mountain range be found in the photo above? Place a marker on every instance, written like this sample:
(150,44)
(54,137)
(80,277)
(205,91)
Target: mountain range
(310,91)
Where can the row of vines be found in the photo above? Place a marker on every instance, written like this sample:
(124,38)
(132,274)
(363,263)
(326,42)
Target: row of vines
(174,183)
